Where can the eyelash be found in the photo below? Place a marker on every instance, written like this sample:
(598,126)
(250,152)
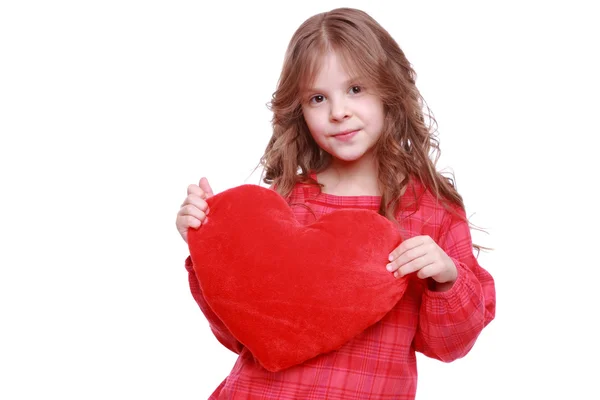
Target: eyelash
(360,88)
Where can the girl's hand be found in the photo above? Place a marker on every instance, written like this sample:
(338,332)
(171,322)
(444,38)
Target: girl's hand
(194,209)
(421,254)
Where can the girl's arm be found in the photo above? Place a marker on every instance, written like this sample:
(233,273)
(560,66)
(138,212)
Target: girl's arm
(450,321)
(216,325)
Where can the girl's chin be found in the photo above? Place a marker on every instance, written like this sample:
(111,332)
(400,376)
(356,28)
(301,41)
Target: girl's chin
(349,157)
(345,159)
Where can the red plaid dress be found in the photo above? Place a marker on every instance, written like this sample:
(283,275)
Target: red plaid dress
(380,363)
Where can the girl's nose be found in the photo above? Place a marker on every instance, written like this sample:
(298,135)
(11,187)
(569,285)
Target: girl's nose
(339,110)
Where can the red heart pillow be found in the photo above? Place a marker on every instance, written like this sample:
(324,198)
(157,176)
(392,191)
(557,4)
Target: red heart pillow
(290,292)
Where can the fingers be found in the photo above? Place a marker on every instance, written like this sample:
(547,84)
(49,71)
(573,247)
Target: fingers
(202,190)
(189,217)
(197,202)
(194,209)
(191,210)
(407,245)
(406,257)
(429,271)
(195,189)
(189,221)
(422,265)
(205,187)
(192,213)
(414,255)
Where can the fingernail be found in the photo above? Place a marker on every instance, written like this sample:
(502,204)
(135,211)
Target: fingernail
(389,267)
(390,257)
(396,275)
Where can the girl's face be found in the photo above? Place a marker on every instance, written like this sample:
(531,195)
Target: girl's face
(344,117)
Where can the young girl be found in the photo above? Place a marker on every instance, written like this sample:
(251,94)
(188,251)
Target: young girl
(349,131)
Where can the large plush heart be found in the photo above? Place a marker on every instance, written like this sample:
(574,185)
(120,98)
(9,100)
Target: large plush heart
(290,292)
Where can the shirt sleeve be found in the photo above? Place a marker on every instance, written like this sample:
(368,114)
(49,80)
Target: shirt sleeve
(217,327)
(451,321)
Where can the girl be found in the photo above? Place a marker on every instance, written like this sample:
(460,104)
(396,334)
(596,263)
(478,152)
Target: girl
(349,131)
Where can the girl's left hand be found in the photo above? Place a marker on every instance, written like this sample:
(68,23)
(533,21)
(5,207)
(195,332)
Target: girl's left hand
(422,254)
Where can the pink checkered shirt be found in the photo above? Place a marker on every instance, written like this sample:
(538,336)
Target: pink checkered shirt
(380,363)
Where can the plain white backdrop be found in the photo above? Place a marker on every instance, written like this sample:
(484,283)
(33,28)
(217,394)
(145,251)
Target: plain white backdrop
(108,110)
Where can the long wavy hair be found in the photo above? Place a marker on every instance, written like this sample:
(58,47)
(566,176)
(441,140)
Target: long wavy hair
(408,144)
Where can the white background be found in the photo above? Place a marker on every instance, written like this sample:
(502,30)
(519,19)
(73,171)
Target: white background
(109,109)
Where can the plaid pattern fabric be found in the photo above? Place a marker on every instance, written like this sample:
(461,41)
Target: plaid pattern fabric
(380,363)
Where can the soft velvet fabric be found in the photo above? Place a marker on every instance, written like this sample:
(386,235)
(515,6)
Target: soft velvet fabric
(290,292)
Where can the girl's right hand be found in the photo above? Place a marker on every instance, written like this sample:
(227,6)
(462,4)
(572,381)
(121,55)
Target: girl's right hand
(194,209)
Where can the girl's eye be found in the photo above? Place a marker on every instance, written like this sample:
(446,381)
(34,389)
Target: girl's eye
(317,99)
(356,89)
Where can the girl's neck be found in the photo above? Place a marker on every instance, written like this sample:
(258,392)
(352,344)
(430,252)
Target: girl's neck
(350,179)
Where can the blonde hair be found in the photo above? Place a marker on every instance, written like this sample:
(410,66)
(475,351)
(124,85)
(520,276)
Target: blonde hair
(408,141)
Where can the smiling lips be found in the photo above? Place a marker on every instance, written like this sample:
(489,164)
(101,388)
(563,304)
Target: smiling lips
(346,135)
